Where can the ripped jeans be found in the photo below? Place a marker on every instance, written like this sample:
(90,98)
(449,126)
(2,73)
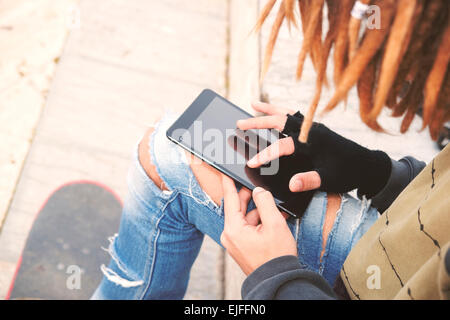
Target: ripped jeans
(161,232)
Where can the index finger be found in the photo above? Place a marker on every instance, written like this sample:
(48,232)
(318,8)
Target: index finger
(278,149)
(270,109)
(266,122)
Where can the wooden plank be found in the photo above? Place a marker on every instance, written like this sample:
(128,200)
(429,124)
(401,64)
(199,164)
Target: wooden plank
(244,67)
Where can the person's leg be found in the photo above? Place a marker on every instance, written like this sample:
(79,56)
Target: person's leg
(157,242)
(332,224)
(184,202)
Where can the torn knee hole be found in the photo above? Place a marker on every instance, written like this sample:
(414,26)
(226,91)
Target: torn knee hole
(112,275)
(146,161)
(118,280)
(333,206)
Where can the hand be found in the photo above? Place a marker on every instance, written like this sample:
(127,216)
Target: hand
(258,237)
(340,165)
(278,119)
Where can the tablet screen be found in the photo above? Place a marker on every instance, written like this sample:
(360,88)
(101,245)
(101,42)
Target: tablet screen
(214,136)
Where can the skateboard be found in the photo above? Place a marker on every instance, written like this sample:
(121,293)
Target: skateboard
(63,253)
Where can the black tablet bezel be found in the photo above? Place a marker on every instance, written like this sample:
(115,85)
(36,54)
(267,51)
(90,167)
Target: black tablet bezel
(195,109)
(187,119)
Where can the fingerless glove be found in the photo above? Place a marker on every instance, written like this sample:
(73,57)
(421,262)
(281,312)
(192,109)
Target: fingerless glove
(342,164)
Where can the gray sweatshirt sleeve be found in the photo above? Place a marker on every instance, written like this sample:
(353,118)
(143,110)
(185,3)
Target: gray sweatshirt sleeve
(402,173)
(284,278)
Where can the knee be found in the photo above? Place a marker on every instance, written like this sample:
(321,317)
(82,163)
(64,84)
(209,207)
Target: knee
(208,178)
(146,161)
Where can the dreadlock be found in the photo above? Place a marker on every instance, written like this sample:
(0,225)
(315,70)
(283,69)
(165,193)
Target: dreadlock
(403,64)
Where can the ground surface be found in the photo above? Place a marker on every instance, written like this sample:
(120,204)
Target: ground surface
(123,64)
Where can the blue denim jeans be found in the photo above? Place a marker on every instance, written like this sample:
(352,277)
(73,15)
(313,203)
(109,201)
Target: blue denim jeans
(161,232)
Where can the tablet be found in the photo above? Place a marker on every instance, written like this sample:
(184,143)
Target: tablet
(208,130)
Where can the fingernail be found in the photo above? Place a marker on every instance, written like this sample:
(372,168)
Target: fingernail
(239,123)
(296,185)
(258,190)
(251,162)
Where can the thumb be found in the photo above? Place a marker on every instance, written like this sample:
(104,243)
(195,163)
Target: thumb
(266,206)
(305,181)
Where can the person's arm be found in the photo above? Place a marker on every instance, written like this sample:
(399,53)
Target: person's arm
(402,173)
(339,164)
(283,278)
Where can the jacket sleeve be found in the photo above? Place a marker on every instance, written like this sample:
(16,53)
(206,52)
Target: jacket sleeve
(402,173)
(284,278)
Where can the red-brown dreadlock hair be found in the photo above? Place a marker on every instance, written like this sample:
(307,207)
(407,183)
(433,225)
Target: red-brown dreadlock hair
(403,64)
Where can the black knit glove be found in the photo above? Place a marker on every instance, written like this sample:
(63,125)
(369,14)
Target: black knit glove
(342,164)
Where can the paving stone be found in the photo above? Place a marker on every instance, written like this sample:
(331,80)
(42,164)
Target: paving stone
(38,27)
(125,64)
